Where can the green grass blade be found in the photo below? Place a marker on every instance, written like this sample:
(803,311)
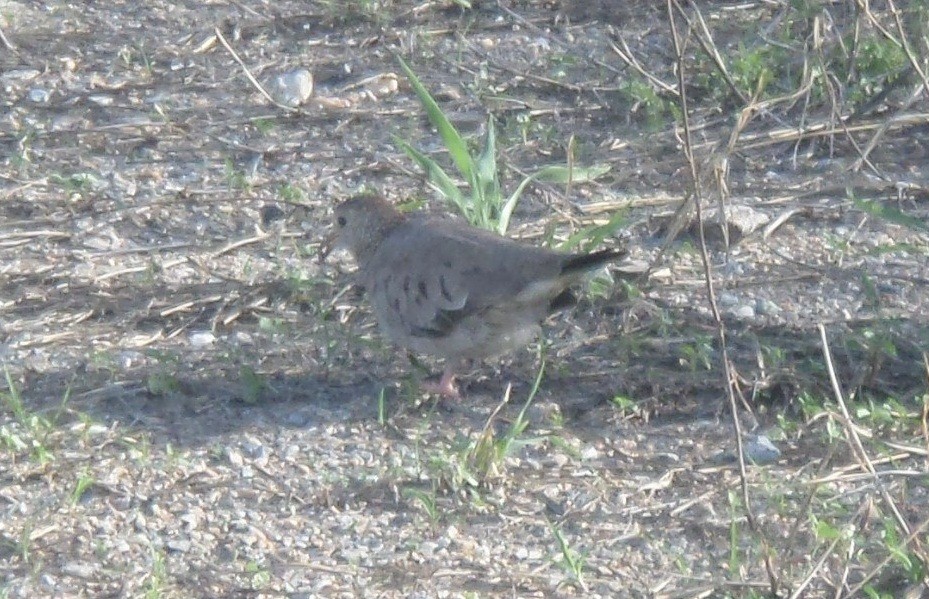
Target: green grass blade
(436,176)
(487,169)
(453,141)
(563,174)
(550,174)
(591,236)
(506,212)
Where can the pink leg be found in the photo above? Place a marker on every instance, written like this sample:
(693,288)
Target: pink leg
(445,387)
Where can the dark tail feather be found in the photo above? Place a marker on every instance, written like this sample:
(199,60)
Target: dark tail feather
(590,261)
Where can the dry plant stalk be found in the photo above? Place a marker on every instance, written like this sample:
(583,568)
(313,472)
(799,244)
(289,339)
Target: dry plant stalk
(730,375)
(853,437)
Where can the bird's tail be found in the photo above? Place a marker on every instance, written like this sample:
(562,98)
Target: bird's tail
(582,262)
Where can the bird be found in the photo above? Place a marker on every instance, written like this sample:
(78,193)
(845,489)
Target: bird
(441,287)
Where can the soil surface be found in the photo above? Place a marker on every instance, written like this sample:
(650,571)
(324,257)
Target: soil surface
(195,406)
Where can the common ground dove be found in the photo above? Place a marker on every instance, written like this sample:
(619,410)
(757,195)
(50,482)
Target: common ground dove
(444,288)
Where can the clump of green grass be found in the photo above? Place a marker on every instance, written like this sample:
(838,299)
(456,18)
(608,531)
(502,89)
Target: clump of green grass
(486,205)
(654,110)
(85,481)
(471,464)
(426,500)
(571,561)
(157,580)
(845,62)
(31,432)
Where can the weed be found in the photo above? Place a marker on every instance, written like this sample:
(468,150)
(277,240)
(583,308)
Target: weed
(426,500)
(270,324)
(76,185)
(449,467)
(84,482)
(157,578)
(264,125)
(913,567)
(135,55)
(646,102)
(735,514)
(21,546)
(32,430)
(235,179)
(259,576)
(571,561)
(626,406)
(253,384)
(589,237)
(356,11)
(104,360)
(753,68)
(162,383)
(891,214)
(13,400)
(878,64)
(697,355)
(291,193)
(140,450)
(486,207)
(487,454)
(565,446)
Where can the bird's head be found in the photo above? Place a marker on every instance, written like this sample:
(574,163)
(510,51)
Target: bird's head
(359,225)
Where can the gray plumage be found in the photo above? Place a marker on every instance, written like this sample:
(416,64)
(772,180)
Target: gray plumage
(444,288)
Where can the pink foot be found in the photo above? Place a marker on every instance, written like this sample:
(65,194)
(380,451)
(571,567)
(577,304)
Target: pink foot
(445,387)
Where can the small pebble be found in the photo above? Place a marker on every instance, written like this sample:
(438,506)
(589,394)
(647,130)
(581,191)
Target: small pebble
(744,312)
(760,450)
(766,307)
(727,299)
(234,457)
(101,100)
(129,358)
(39,96)
(242,338)
(293,88)
(590,453)
(298,419)
(78,570)
(202,338)
(19,75)
(253,448)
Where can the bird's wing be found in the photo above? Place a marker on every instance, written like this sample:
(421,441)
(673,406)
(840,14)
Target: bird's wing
(429,275)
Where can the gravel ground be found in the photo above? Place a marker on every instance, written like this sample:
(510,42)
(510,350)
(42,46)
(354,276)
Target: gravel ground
(195,407)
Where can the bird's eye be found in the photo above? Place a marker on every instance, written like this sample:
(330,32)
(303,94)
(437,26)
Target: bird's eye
(340,221)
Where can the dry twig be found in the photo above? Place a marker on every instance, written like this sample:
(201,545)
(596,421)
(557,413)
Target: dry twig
(248,73)
(853,436)
(672,8)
